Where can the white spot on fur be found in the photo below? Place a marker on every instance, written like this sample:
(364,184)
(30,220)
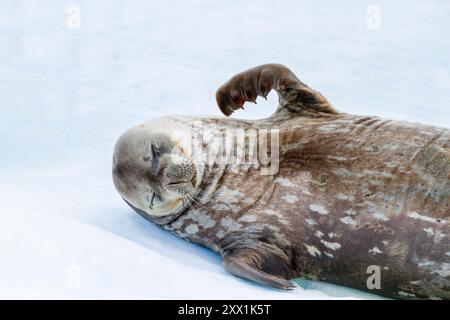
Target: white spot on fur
(392,164)
(202,219)
(281,238)
(280,217)
(248,218)
(191,229)
(333,128)
(440,268)
(348,220)
(429,231)
(329,255)
(378,173)
(230,224)
(380,216)
(319,234)
(272,212)
(220,234)
(375,251)
(439,235)
(342,196)
(417,216)
(331,235)
(318,209)
(425,264)
(290,198)
(313,251)
(341,172)
(311,222)
(284,182)
(351,212)
(331,245)
(304,181)
(230,196)
(340,158)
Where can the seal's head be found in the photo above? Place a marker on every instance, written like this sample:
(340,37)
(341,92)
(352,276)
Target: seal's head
(152,171)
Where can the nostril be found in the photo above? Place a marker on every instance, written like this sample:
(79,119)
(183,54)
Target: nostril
(194,179)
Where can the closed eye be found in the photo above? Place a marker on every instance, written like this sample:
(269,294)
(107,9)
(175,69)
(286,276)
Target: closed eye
(155,164)
(152,199)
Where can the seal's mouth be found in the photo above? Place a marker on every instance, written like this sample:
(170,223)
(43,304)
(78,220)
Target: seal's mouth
(192,181)
(170,195)
(176,183)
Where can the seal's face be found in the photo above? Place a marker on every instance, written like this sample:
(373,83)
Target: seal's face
(151,171)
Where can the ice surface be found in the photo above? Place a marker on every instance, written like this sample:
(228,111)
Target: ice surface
(67,94)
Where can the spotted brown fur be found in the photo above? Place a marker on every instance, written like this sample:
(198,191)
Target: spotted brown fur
(351,191)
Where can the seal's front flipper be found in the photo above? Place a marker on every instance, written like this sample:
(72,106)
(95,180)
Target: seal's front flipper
(258,265)
(294,95)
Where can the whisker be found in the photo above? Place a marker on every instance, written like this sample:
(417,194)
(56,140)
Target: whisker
(197,202)
(185,201)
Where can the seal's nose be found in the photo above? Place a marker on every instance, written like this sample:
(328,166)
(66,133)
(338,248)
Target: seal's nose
(194,178)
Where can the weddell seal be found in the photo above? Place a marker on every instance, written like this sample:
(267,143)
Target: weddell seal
(308,192)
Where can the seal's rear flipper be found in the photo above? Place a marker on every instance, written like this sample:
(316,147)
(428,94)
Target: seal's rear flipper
(259,266)
(294,95)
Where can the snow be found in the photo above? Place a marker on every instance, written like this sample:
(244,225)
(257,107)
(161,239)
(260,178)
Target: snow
(67,93)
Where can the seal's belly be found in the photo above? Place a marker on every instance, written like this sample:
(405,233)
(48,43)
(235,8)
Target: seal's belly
(381,205)
(350,195)
(334,197)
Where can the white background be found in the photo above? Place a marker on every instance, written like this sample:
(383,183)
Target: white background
(66,94)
